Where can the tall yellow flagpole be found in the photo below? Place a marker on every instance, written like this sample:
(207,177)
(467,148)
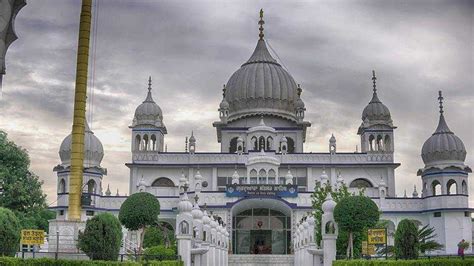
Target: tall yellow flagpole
(77,150)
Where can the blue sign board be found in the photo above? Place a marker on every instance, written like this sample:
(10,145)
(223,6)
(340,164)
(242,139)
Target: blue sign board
(261,190)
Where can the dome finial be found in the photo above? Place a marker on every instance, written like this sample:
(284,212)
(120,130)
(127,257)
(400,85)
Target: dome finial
(374,78)
(149,83)
(261,22)
(223,91)
(299,90)
(440,99)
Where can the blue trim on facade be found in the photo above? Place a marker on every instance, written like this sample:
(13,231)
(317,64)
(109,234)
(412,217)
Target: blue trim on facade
(247,128)
(65,172)
(147,129)
(281,165)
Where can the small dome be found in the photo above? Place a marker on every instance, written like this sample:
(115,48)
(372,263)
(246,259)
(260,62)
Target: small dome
(329,204)
(311,221)
(332,139)
(205,218)
(224,104)
(148,112)
(196,212)
(262,127)
(192,139)
(93,149)
(443,145)
(185,205)
(299,104)
(376,110)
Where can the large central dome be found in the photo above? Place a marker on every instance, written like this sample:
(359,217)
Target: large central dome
(261,86)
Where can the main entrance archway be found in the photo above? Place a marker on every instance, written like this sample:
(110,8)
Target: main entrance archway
(261,226)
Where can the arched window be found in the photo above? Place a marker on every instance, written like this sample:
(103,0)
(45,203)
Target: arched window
(137,142)
(91,188)
(379,143)
(162,182)
(291,145)
(270,143)
(254,143)
(330,228)
(253,176)
(145,143)
(452,187)
(233,145)
(261,143)
(62,186)
(153,143)
(464,187)
(361,183)
(262,177)
(436,188)
(371,142)
(184,228)
(271,177)
(387,143)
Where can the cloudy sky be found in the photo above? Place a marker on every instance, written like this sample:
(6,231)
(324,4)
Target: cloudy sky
(191,48)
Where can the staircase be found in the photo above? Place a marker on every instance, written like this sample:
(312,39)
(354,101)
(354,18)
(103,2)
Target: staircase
(261,260)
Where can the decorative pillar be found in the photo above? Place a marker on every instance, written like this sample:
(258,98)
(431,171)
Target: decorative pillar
(329,231)
(184,227)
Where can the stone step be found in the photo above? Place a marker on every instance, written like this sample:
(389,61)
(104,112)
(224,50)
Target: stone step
(261,260)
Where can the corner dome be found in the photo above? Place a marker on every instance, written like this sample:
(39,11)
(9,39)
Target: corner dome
(261,86)
(93,149)
(376,112)
(148,113)
(443,146)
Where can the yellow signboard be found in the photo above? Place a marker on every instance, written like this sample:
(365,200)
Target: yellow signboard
(32,237)
(376,236)
(367,249)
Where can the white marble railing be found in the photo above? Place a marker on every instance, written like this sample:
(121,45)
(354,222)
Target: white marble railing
(227,158)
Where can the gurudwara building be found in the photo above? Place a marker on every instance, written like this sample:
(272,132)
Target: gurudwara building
(260,182)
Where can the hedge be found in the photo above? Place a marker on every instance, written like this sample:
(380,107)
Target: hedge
(419,262)
(8,261)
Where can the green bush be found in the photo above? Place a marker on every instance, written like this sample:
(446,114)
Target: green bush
(158,235)
(9,232)
(7,261)
(406,240)
(102,237)
(419,262)
(160,253)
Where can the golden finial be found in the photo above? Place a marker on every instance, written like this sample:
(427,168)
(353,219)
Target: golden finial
(261,22)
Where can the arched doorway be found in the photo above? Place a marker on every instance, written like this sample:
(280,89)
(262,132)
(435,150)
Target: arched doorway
(261,226)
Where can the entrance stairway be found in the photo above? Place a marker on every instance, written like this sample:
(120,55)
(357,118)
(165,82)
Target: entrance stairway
(261,260)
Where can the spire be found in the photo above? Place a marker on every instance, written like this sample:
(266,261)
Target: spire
(107,192)
(223,92)
(148,96)
(299,90)
(261,22)
(442,126)
(375,98)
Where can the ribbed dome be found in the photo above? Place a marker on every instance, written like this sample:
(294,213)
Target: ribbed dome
(261,85)
(93,149)
(185,205)
(376,110)
(148,113)
(443,145)
(328,205)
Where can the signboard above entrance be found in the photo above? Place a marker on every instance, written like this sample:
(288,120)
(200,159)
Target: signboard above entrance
(261,190)
(32,237)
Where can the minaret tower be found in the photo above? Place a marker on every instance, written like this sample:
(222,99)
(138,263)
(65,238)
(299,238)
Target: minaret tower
(445,184)
(376,130)
(148,129)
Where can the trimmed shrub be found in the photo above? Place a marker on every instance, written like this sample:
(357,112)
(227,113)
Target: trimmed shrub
(7,261)
(406,240)
(420,262)
(102,237)
(158,235)
(159,253)
(9,232)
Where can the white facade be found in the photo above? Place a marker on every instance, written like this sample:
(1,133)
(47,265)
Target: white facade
(261,129)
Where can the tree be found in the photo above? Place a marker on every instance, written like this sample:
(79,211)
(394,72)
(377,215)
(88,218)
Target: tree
(426,236)
(22,191)
(9,233)
(354,214)
(102,237)
(406,240)
(159,234)
(318,198)
(139,211)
